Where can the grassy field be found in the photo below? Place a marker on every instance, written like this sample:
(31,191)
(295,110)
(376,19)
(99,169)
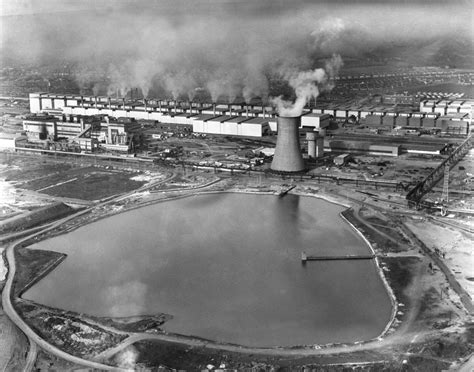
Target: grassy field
(32,266)
(67,179)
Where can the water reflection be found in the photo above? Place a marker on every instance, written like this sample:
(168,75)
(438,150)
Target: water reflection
(227,266)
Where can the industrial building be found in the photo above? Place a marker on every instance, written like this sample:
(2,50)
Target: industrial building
(443,116)
(204,118)
(362,148)
(87,132)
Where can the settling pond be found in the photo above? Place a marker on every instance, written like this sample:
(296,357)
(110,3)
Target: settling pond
(227,267)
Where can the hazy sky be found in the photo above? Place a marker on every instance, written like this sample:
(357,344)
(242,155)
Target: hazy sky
(229,46)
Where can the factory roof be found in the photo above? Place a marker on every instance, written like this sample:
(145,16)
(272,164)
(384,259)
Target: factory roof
(238,119)
(257,121)
(221,118)
(184,115)
(443,102)
(316,115)
(205,117)
(456,116)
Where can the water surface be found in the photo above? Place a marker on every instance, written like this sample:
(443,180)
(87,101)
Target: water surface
(227,267)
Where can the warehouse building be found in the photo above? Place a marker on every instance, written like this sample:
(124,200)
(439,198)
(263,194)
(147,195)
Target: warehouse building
(357,147)
(456,124)
(429,121)
(315,121)
(415,119)
(402,119)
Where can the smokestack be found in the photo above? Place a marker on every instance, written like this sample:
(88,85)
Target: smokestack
(123,103)
(287,156)
(214,108)
(246,110)
(145,104)
(109,102)
(230,110)
(95,101)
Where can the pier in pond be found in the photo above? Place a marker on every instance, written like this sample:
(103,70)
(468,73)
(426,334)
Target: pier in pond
(305,257)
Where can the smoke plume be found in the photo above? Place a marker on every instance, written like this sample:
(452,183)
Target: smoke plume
(228,48)
(127,358)
(307,85)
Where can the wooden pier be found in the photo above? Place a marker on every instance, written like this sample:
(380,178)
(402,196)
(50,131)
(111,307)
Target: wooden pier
(305,257)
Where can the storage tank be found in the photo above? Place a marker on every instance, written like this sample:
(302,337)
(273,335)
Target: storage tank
(315,144)
(311,138)
(287,156)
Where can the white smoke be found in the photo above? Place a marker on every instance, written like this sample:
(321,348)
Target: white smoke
(127,358)
(231,47)
(181,83)
(307,85)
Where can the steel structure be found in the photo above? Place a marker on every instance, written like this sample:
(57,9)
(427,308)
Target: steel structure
(415,195)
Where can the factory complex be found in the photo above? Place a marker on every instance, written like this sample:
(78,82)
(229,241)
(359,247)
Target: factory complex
(138,127)
(445,117)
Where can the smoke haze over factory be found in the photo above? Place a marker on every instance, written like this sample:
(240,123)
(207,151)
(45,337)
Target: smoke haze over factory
(229,48)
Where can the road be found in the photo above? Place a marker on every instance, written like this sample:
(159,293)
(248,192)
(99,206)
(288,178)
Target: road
(20,323)
(31,357)
(379,343)
(10,311)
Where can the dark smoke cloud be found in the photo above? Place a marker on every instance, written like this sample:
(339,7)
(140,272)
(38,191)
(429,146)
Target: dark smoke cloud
(228,47)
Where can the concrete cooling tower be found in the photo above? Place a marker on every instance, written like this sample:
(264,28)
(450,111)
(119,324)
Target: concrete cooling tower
(287,156)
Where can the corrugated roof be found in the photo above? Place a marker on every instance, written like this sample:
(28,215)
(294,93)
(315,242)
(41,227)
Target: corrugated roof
(316,115)
(221,118)
(238,119)
(257,120)
(205,117)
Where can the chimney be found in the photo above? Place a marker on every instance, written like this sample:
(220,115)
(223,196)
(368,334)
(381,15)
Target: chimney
(214,108)
(109,101)
(123,103)
(175,106)
(247,110)
(230,109)
(95,101)
(145,104)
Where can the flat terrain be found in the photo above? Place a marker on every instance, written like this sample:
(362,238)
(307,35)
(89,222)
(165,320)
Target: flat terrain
(431,328)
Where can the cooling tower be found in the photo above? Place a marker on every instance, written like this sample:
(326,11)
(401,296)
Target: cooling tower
(287,156)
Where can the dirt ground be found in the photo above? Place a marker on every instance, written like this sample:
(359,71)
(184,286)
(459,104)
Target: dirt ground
(455,247)
(429,331)
(13,345)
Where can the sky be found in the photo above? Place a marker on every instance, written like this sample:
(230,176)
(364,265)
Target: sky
(229,47)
